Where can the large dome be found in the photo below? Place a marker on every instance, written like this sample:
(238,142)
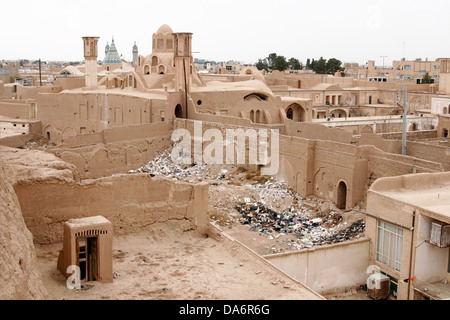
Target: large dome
(164,29)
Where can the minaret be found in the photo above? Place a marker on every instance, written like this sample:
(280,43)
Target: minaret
(106,49)
(135,54)
(90,58)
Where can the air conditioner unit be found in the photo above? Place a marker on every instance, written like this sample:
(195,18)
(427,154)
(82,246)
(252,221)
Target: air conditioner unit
(378,286)
(440,235)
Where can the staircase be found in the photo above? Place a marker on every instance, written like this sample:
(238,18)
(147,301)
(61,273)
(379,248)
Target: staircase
(142,80)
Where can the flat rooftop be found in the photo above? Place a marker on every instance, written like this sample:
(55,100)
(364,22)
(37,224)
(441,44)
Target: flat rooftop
(429,191)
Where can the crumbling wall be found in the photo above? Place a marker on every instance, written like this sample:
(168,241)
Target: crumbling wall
(19,274)
(130,202)
(115,150)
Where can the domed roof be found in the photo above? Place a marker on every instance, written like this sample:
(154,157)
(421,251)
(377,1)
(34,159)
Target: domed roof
(112,56)
(164,29)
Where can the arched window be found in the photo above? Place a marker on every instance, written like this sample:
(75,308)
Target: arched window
(445,110)
(154,61)
(252,116)
(257,117)
(146,69)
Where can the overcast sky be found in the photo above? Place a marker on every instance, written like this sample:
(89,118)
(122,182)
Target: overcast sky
(243,30)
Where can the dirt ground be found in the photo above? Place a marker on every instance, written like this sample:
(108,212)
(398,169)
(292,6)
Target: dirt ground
(169,264)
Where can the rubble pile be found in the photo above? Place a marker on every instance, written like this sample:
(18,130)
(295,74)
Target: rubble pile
(276,194)
(308,231)
(163,164)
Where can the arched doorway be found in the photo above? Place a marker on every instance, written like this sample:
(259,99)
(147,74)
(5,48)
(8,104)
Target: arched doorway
(146,69)
(296,113)
(370,99)
(341,202)
(178,111)
(290,113)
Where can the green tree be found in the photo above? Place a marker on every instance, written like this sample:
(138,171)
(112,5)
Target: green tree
(333,65)
(262,64)
(294,64)
(280,63)
(312,65)
(308,63)
(271,60)
(320,66)
(427,78)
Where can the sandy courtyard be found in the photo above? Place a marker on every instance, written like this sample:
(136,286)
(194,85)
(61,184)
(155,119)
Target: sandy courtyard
(167,264)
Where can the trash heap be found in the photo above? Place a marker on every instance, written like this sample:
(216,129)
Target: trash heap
(307,232)
(272,193)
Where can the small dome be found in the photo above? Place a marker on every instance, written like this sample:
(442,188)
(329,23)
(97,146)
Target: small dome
(164,29)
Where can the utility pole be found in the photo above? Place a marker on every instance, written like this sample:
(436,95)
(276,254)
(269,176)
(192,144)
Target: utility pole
(405,92)
(40,73)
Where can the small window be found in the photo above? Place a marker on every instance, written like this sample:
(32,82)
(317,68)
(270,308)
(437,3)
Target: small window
(199,102)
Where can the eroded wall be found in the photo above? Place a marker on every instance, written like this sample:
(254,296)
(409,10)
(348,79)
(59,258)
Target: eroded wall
(115,150)
(19,277)
(131,202)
